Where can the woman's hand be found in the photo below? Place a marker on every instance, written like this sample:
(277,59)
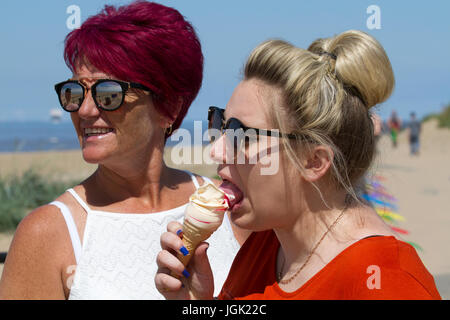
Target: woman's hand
(196,282)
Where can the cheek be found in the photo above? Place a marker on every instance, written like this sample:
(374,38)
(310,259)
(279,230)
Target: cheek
(266,193)
(133,126)
(270,195)
(76,123)
(141,118)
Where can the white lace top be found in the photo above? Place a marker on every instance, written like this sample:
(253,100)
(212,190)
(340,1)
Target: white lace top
(117,259)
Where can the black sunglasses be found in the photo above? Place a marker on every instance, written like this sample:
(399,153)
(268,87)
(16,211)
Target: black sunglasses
(240,132)
(108,94)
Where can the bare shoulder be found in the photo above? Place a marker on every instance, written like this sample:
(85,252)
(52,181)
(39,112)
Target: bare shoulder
(33,264)
(43,223)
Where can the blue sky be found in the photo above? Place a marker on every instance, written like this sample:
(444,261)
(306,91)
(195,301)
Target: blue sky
(416,36)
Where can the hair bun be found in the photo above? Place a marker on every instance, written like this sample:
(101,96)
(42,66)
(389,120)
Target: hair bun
(328,54)
(362,65)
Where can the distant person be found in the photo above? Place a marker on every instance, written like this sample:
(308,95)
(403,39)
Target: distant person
(107,101)
(377,125)
(109,225)
(414,134)
(394,124)
(67,99)
(67,95)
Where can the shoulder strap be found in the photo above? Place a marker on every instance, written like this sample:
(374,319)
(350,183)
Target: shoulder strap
(194,179)
(207,179)
(79,200)
(71,226)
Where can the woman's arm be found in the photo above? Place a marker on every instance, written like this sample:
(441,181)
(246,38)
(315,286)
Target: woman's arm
(33,265)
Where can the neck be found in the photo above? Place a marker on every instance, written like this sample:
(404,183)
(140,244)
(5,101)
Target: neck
(142,177)
(300,237)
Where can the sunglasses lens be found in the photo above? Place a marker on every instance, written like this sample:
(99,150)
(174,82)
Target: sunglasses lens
(109,95)
(71,96)
(215,122)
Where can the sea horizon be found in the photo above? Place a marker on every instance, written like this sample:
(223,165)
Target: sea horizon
(36,135)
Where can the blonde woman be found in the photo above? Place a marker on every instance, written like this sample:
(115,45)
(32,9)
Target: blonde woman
(313,238)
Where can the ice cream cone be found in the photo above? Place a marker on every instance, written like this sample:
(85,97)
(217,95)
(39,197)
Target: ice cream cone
(192,236)
(203,215)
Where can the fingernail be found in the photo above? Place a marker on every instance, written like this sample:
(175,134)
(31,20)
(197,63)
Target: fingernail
(186,274)
(179,232)
(184,251)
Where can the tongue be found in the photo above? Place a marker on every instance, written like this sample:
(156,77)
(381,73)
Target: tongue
(233,193)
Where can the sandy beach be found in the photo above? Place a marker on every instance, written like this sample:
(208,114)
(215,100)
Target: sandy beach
(421,184)
(69,165)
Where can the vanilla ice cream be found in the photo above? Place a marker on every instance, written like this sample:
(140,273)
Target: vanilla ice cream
(203,215)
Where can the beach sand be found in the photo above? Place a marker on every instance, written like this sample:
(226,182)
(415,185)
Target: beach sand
(61,165)
(421,185)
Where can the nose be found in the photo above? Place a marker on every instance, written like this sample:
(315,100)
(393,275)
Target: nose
(218,151)
(88,108)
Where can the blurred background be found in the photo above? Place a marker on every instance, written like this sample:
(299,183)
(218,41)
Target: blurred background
(39,156)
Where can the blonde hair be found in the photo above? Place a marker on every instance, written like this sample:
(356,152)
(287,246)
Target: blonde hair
(328,91)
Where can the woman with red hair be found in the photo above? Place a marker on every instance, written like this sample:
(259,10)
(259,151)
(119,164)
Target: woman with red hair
(136,70)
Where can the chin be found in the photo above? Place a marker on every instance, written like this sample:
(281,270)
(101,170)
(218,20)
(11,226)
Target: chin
(247,223)
(91,160)
(93,155)
(244,217)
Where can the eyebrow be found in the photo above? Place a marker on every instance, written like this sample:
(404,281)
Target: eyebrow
(90,78)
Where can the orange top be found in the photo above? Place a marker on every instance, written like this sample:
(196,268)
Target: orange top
(350,275)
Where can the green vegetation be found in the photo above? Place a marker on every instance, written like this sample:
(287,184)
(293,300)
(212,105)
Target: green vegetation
(444,118)
(21,194)
(430,116)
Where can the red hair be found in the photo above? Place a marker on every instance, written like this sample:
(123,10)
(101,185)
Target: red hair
(143,42)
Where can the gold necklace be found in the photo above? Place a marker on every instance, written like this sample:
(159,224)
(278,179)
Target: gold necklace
(347,202)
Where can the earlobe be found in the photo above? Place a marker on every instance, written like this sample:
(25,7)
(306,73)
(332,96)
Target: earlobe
(174,112)
(166,121)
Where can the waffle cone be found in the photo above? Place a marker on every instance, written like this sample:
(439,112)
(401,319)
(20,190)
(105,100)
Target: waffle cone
(192,236)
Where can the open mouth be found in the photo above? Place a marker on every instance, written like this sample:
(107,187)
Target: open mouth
(233,194)
(90,132)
